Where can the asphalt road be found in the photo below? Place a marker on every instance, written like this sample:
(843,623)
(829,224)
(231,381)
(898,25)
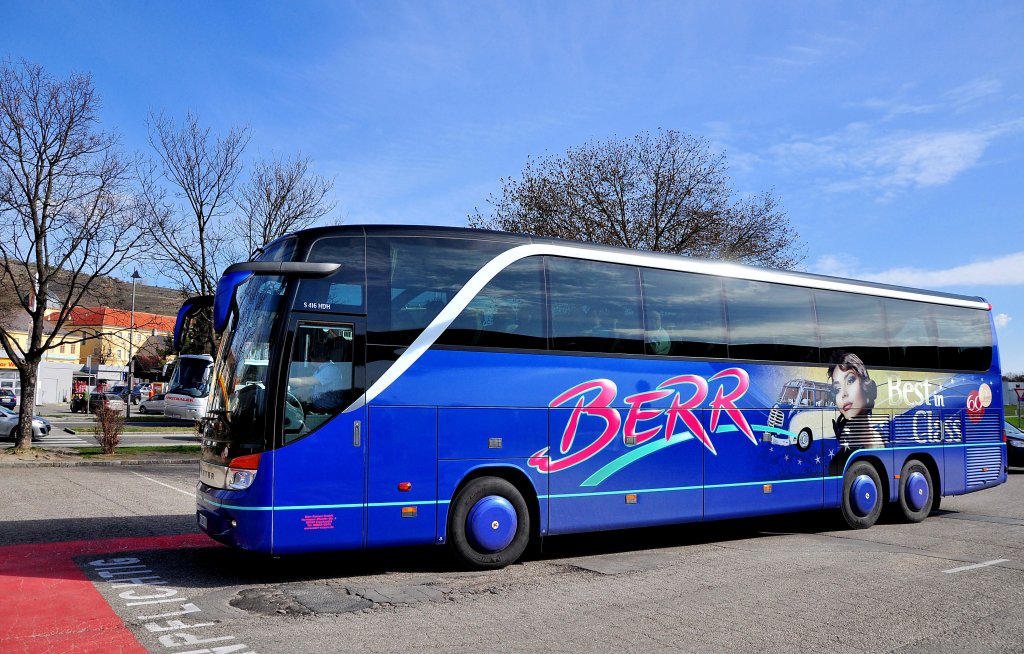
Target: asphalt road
(786,584)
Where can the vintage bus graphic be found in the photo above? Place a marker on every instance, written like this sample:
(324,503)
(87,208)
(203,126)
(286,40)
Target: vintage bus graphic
(798,413)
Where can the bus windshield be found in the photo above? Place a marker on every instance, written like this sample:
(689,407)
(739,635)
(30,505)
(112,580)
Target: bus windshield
(235,417)
(191,377)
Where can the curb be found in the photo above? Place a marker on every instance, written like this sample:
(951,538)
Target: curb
(76,464)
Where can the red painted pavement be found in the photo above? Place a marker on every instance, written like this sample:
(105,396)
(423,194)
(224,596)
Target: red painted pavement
(47,604)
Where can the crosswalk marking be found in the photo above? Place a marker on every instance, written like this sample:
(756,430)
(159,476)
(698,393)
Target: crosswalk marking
(62,439)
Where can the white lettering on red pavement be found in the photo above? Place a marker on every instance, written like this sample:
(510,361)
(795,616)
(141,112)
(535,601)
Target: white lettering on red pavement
(149,589)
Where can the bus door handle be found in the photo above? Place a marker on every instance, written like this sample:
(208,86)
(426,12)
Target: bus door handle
(356,439)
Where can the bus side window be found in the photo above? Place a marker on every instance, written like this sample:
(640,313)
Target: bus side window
(852,323)
(595,307)
(410,279)
(684,314)
(965,338)
(911,334)
(770,322)
(508,313)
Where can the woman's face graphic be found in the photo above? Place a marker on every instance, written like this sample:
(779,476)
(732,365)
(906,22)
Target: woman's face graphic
(849,391)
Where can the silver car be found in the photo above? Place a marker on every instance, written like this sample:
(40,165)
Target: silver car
(154,404)
(9,425)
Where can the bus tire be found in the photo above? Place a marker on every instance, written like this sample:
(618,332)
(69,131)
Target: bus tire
(862,495)
(804,439)
(489,526)
(917,495)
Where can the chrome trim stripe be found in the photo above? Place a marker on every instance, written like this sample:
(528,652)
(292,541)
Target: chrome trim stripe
(318,507)
(735,271)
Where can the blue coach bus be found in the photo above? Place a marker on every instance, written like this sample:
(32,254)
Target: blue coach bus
(387,386)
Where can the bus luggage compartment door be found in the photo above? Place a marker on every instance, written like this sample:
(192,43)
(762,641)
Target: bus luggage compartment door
(402,476)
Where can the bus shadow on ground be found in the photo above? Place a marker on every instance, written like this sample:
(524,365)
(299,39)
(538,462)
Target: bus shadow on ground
(222,566)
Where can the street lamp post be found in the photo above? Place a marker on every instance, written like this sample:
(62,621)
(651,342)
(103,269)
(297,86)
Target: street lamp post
(131,341)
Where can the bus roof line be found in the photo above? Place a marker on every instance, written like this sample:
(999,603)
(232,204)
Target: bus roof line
(490,270)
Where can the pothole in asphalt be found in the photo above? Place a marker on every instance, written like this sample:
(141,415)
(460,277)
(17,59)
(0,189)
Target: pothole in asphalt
(299,599)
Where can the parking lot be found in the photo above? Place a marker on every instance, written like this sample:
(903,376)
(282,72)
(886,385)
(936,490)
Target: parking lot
(122,542)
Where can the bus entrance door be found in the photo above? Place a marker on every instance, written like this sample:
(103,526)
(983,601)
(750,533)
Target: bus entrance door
(320,470)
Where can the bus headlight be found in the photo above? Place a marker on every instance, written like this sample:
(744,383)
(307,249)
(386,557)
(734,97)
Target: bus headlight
(240,479)
(242,471)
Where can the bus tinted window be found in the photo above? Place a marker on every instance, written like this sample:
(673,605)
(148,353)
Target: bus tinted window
(965,338)
(508,313)
(320,378)
(344,290)
(684,314)
(282,249)
(852,323)
(770,322)
(595,307)
(911,334)
(411,279)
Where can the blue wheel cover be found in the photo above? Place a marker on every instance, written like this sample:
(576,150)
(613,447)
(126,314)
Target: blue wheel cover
(491,524)
(863,495)
(917,491)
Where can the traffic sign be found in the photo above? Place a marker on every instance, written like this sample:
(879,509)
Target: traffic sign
(1020,394)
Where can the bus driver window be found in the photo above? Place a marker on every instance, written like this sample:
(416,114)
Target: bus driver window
(320,378)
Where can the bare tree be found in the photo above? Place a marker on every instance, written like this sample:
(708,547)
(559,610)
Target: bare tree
(67,212)
(666,193)
(282,196)
(188,228)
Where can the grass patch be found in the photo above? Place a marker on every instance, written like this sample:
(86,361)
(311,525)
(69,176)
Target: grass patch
(88,452)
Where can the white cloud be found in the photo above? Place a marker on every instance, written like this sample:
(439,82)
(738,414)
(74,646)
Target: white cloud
(1002,320)
(1007,270)
(864,157)
(973,92)
(836,265)
(927,159)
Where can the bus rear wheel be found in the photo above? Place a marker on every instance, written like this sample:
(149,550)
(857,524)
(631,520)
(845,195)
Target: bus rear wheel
(917,495)
(862,495)
(489,526)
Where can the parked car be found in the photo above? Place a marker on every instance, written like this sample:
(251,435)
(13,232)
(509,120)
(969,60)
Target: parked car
(140,392)
(110,400)
(9,425)
(153,405)
(7,398)
(1014,444)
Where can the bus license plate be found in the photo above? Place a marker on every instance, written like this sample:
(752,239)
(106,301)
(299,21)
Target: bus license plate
(202,521)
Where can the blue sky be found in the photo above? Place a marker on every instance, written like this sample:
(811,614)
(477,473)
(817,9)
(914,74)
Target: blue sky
(891,132)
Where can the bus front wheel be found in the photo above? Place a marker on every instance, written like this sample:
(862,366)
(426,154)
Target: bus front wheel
(489,526)
(916,491)
(862,495)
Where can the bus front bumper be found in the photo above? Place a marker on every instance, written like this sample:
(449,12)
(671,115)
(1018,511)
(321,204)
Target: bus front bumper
(242,527)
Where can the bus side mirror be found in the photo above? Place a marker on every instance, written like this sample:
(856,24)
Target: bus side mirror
(237,274)
(224,298)
(188,310)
